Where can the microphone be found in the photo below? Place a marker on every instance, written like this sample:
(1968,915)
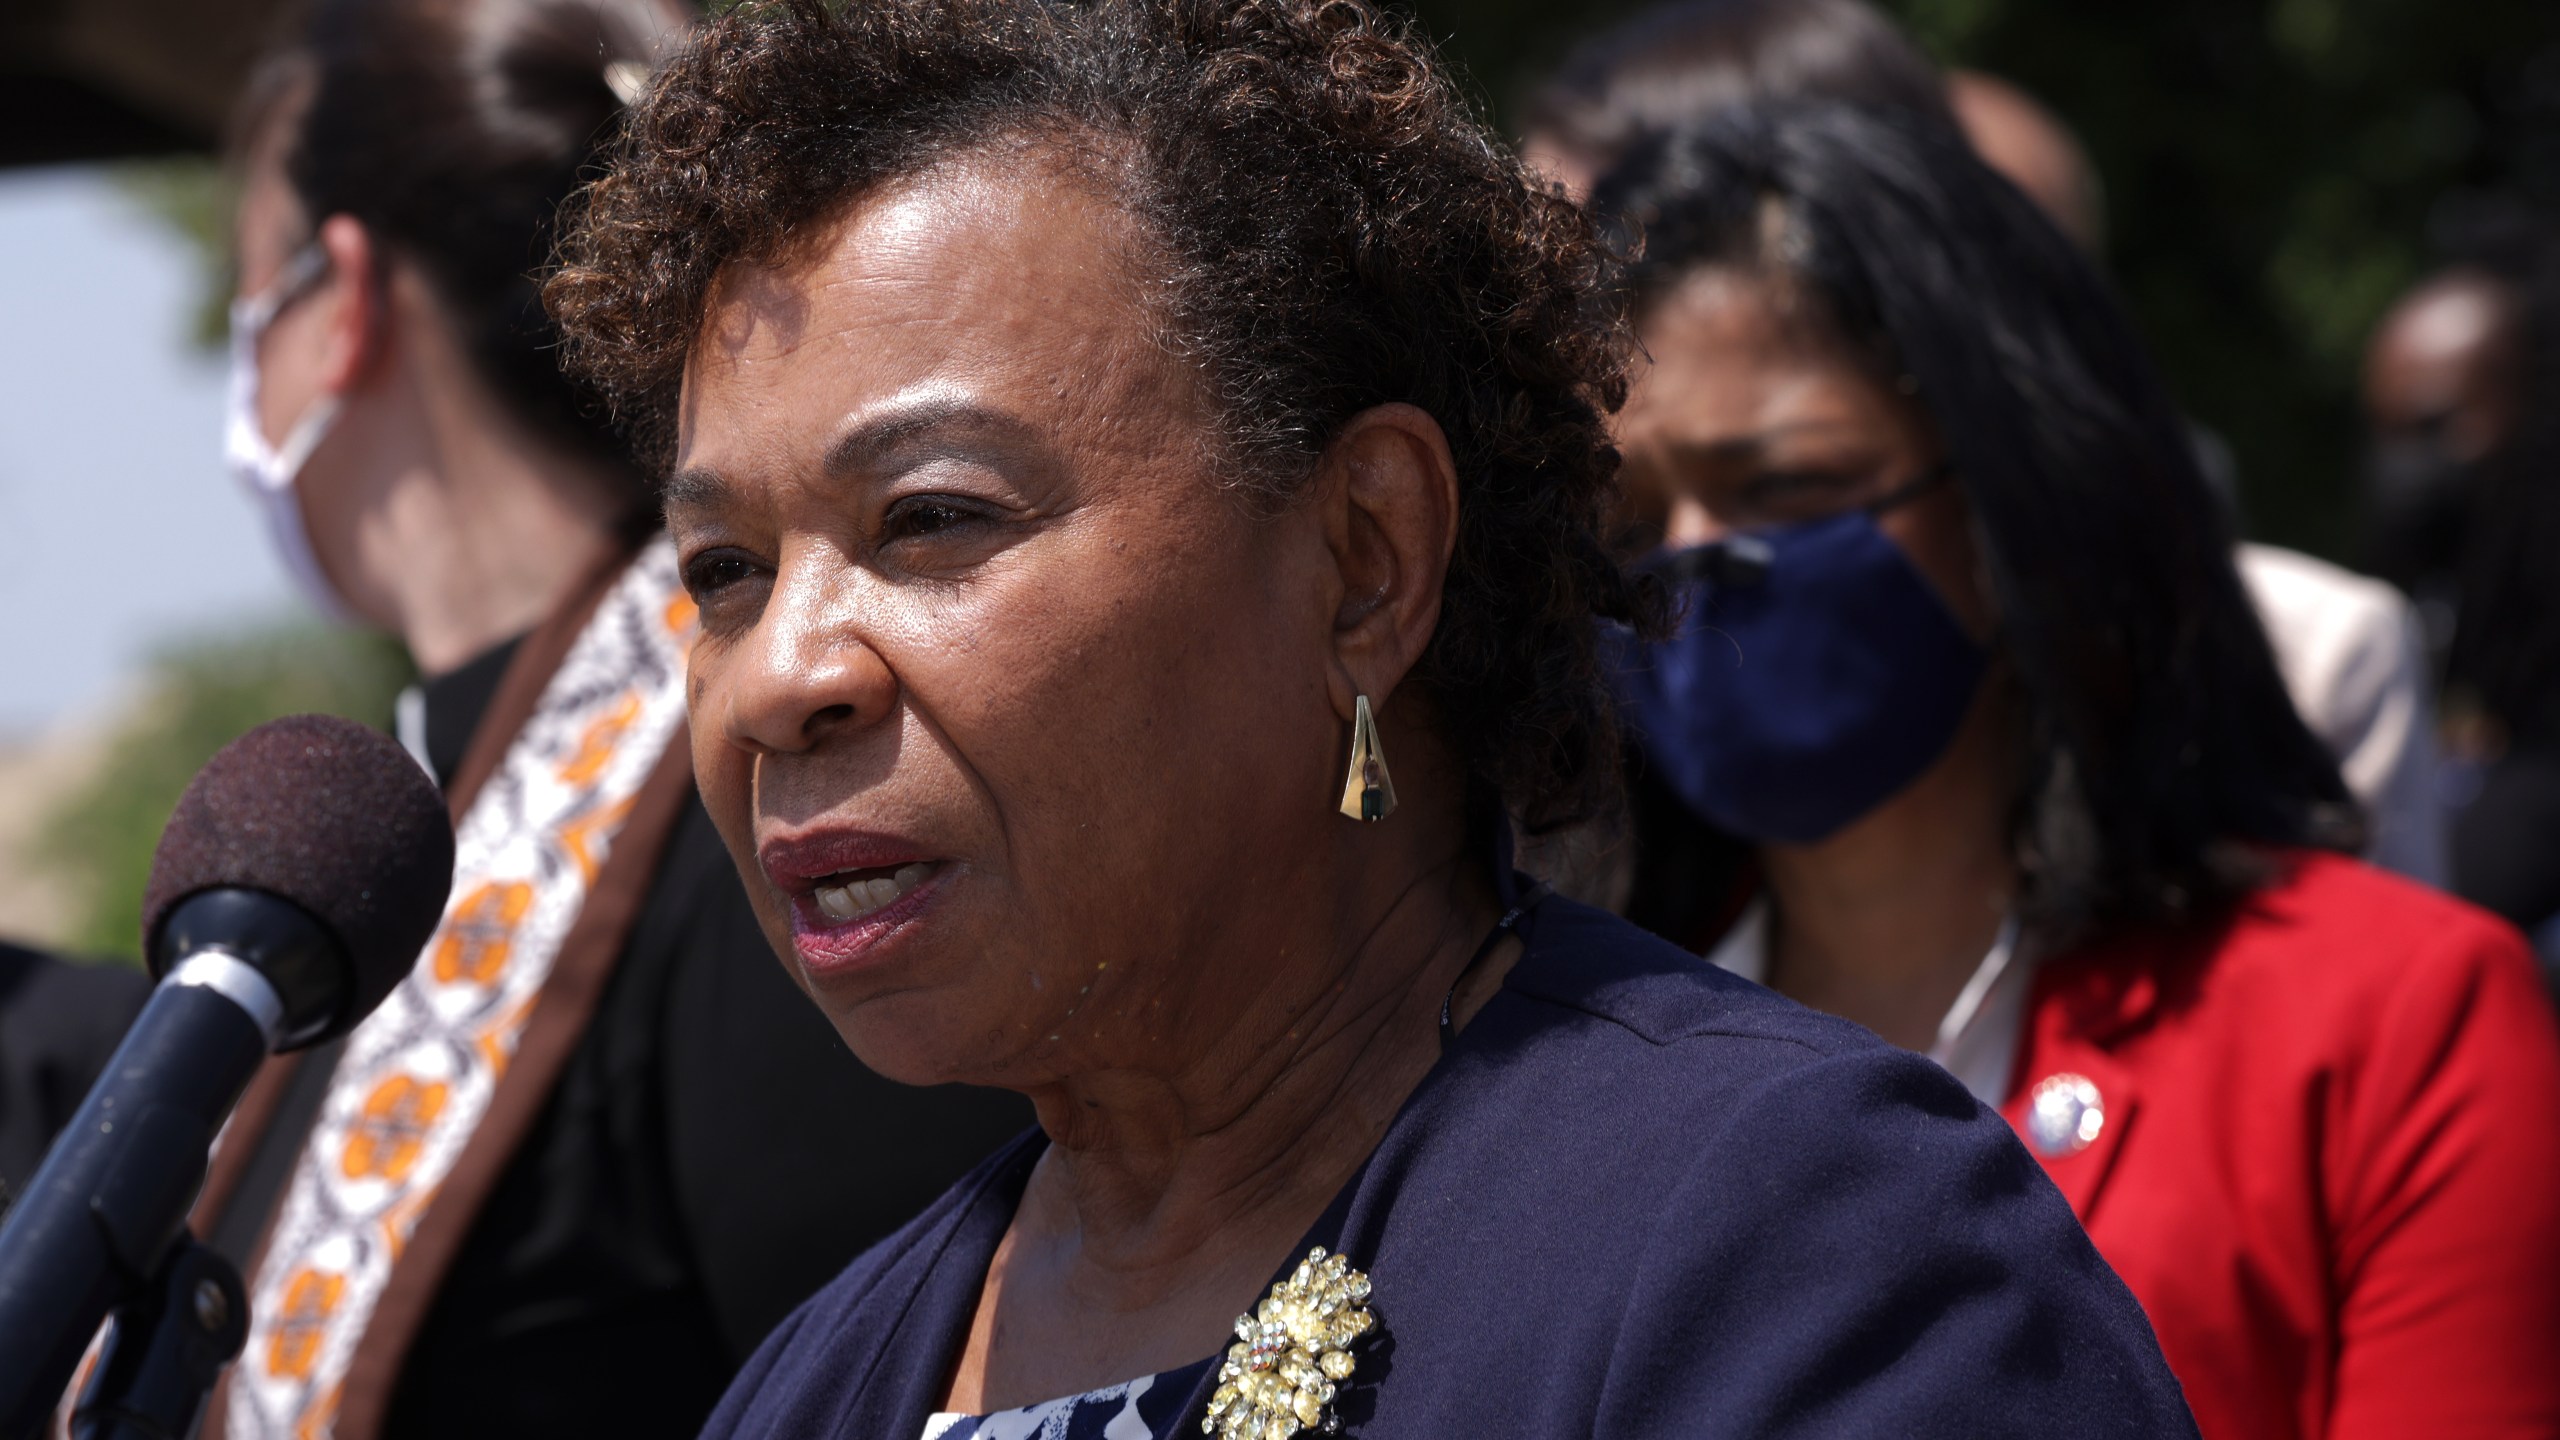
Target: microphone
(303,871)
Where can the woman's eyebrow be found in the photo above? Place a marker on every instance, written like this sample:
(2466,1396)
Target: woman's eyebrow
(893,432)
(1753,444)
(936,423)
(695,488)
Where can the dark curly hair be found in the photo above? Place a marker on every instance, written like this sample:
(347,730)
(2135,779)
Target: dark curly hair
(1338,232)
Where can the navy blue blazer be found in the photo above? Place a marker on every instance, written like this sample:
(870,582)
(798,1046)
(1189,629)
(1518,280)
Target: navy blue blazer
(1637,1198)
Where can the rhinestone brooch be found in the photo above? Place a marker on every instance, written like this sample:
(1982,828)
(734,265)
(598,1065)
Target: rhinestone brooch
(1291,1353)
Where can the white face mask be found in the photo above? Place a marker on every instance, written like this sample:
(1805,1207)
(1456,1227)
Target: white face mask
(267,471)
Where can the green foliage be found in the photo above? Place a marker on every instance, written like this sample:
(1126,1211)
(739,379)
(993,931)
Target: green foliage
(191,195)
(201,695)
(2276,171)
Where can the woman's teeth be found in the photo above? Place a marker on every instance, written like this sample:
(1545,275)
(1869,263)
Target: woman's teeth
(856,898)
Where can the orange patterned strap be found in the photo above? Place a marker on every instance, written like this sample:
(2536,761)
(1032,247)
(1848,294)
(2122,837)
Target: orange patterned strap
(418,1075)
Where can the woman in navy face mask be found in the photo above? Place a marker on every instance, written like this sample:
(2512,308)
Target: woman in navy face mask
(1832,696)
(1969,734)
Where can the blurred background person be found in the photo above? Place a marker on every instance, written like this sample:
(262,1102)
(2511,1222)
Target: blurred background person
(59,1021)
(1670,64)
(2442,388)
(597,1144)
(2484,358)
(2348,646)
(1664,67)
(1968,667)
(2018,137)
(2352,649)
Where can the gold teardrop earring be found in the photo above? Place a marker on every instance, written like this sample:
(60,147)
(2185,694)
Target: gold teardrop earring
(1367,793)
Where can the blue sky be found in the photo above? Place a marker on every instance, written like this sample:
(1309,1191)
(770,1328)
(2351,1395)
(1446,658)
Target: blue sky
(119,530)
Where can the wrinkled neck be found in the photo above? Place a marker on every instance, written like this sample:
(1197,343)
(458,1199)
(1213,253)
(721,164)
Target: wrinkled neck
(1150,1166)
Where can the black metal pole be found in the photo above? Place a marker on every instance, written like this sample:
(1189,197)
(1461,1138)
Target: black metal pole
(94,1226)
(166,1350)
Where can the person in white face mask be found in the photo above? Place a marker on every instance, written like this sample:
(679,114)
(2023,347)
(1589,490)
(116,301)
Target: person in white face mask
(267,471)
(597,1144)
(401,490)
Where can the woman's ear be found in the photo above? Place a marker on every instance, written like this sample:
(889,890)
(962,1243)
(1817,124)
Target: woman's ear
(1390,490)
(354,299)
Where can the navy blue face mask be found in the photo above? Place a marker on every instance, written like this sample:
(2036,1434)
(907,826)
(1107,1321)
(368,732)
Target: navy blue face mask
(1815,673)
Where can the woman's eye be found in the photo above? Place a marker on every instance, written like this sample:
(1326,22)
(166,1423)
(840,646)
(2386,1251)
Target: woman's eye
(713,571)
(1793,493)
(925,516)
(1785,484)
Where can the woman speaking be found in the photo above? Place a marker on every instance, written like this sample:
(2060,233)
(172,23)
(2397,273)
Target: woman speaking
(1141,466)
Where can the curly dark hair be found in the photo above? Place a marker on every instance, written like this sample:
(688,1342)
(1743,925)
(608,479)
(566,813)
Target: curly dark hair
(1339,232)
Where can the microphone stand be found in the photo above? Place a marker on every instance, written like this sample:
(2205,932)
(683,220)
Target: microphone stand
(166,1349)
(101,1230)
(299,877)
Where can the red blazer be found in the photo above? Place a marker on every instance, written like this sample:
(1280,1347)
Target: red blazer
(2325,1155)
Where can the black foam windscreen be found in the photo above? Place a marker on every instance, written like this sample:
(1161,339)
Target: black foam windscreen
(330,815)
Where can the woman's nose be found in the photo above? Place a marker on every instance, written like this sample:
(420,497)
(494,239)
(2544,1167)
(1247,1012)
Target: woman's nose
(803,675)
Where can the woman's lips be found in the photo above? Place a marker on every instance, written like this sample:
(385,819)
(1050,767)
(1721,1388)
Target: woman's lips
(797,862)
(850,897)
(840,926)
(850,892)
